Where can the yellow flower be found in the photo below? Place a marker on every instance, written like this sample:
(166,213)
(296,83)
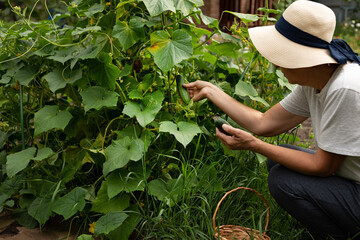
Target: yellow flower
(108,3)
(92,227)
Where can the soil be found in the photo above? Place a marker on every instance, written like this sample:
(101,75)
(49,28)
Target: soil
(10,230)
(304,134)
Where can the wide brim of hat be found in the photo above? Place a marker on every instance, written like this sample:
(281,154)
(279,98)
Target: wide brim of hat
(285,53)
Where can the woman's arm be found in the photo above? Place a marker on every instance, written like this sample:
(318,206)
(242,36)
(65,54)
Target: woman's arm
(322,163)
(273,122)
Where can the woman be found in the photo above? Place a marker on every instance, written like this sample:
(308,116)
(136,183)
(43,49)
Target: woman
(319,188)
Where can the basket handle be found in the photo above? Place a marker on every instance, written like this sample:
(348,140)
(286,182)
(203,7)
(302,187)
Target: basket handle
(244,188)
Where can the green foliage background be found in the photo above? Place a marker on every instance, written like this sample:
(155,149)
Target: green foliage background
(92,126)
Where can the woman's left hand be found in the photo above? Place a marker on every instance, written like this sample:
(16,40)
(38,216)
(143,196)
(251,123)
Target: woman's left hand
(239,139)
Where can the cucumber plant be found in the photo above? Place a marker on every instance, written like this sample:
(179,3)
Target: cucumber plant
(90,114)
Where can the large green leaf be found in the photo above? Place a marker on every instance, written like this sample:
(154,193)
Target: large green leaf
(71,203)
(129,33)
(156,7)
(25,75)
(146,109)
(170,50)
(43,153)
(124,231)
(16,162)
(64,54)
(187,6)
(124,180)
(103,71)
(169,192)
(40,209)
(109,222)
(85,237)
(102,203)
(80,30)
(97,97)
(224,49)
(245,89)
(96,8)
(247,18)
(283,81)
(184,132)
(58,78)
(120,152)
(49,117)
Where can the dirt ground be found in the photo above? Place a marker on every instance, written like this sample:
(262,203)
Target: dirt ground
(9,230)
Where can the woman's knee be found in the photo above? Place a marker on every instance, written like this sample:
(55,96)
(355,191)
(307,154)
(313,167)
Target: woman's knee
(280,182)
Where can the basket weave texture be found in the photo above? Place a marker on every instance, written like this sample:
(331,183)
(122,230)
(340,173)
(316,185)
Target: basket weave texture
(234,232)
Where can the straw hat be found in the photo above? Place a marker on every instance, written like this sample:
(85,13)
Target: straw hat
(310,17)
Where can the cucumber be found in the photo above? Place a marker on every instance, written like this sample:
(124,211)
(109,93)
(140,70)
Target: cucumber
(184,94)
(219,122)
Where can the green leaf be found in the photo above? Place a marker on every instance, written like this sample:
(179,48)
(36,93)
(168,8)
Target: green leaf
(260,158)
(246,18)
(58,78)
(187,6)
(49,117)
(63,54)
(259,99)
(73,158)
(16,162)
(170,50)
(96,8)
(156,7)
(124,231)
(79,30)
(123,180)
(129,33)
(103,71)
(25,75)
(102,203)
(85,237)
(40,209)
(71,203)
(120,152)
(283,81)
(146,109)
(169,192)
(184,132)
(109,222)
(244,89)
(43,153)
(224,49)
(97,97)
(209,21)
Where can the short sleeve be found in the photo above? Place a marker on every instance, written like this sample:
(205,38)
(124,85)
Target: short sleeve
(340,124)
(296,102)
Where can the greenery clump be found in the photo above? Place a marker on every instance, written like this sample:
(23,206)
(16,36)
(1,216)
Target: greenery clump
(93,130)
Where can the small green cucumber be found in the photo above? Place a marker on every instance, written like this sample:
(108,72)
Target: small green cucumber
(184,94)
(219,122)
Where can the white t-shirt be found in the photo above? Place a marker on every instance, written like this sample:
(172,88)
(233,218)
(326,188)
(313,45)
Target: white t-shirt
(335,116)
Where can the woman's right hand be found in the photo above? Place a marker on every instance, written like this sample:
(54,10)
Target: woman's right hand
(199,89)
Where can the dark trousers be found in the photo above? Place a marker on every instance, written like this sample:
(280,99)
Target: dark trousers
(329,207)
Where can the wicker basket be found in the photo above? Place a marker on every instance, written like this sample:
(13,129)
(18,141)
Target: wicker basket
(233,232)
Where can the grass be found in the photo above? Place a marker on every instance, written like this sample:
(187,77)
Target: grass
(191,216)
